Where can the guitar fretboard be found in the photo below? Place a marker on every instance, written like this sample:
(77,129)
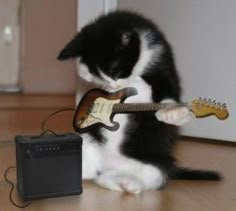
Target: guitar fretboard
(133,107)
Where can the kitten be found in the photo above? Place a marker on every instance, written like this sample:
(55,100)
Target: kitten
(124,49)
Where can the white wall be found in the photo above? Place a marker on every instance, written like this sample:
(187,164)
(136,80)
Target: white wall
(88,10)
(203,36)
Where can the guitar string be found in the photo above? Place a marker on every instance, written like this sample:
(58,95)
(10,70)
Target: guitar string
(124,107)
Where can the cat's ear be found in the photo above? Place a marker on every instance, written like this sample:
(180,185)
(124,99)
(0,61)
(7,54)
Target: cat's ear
(72,49)
(125,38)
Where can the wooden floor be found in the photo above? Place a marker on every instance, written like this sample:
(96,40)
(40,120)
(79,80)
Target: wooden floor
(24,115)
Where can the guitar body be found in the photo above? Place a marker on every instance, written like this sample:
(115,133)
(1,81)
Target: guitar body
(96,109)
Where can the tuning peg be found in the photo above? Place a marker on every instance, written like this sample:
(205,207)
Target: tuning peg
(224,105)
(219,104)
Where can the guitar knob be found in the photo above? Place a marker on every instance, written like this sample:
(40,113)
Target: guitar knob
(81,120)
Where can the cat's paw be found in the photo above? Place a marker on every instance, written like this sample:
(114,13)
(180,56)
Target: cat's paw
(120,182)
(177,116)
(130,184)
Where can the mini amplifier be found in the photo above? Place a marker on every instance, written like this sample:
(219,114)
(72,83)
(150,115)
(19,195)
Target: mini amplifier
(48,166)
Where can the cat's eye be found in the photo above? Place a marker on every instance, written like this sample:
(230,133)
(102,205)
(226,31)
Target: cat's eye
(114,65)
(126,38)
(118,49)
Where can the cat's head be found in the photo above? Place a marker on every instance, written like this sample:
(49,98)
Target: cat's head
(108,49)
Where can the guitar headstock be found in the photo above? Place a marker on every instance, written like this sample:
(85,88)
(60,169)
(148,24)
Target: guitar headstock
(206,107)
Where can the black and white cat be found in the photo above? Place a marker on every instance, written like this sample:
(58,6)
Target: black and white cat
(124,49)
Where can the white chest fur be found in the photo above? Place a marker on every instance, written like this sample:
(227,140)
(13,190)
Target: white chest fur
(110,152)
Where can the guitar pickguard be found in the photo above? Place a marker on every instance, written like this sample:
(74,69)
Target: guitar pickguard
(99,111)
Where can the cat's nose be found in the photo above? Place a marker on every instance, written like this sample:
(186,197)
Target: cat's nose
(114,85)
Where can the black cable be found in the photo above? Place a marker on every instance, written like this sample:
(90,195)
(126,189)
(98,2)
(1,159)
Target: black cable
(45,131)
(12,188)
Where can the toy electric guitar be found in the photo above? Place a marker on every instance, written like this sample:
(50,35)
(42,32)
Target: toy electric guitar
(98,107)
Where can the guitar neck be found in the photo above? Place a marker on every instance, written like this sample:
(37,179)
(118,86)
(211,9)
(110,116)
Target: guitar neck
(136,107)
